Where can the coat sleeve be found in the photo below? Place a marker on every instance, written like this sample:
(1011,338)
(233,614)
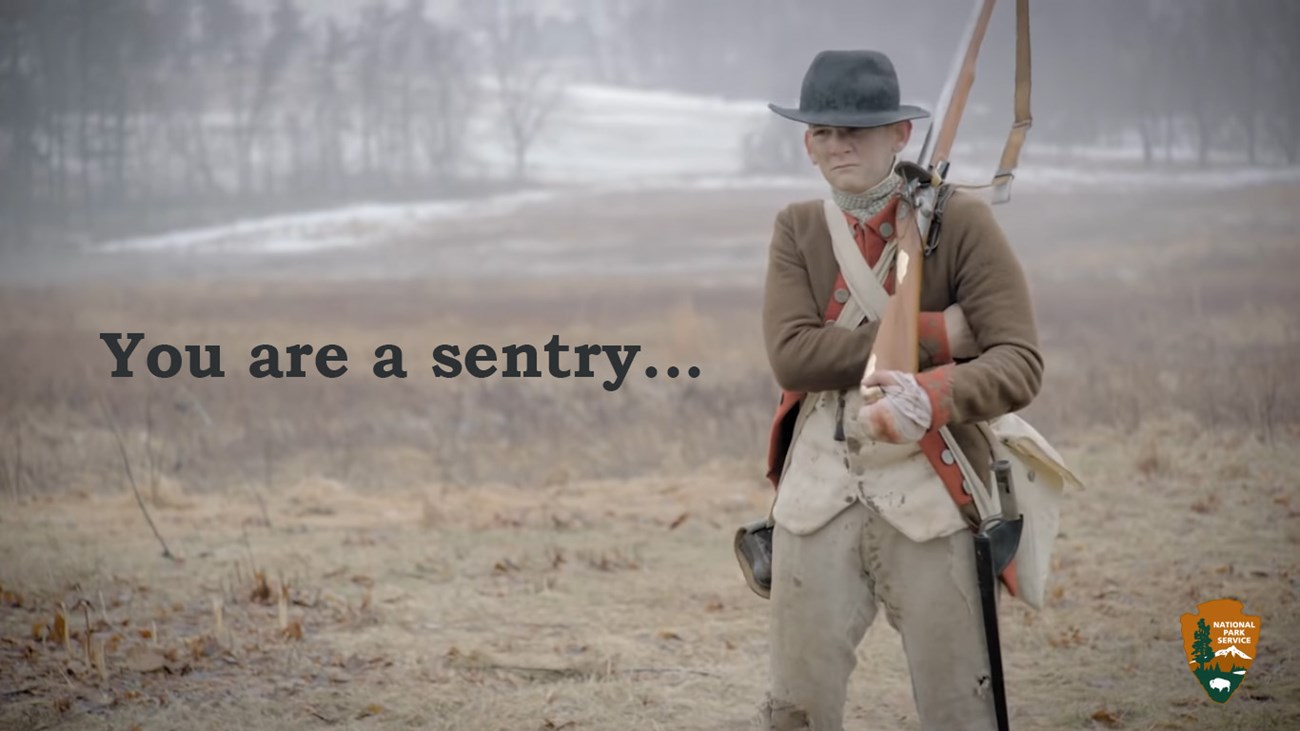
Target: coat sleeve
(806,354)
(991,288)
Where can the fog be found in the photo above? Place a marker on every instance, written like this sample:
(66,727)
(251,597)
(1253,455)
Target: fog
(126,118)
(296,187)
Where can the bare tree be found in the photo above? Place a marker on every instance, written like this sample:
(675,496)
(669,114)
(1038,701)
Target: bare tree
(226,51)
(529,89)
(448,98)
(274,58)
(17,124)
(328,114)
(372,91)
(1281,57)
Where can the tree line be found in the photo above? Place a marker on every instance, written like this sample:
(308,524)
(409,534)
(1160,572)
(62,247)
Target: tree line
(117,115)
(1180,80)
(122,115)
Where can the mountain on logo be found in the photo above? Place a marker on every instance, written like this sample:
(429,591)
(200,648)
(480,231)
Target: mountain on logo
(1232,650)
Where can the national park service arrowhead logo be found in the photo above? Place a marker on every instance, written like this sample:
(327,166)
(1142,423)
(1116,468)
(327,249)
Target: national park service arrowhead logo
(1221,643)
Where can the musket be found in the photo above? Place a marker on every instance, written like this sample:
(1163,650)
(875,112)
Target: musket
(896,343)
(896,340)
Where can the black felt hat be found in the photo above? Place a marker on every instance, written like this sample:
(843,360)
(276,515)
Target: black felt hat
(850,89)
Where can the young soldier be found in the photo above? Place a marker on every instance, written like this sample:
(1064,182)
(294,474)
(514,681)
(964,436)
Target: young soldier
(864,521)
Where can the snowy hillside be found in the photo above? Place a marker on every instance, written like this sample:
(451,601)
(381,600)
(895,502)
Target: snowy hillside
(607,134)
(606,139)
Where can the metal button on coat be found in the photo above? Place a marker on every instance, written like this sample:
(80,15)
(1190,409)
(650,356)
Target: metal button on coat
(947,457)
(886,229)
(841,295)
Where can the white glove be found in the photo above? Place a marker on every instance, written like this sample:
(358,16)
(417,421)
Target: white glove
(902,415)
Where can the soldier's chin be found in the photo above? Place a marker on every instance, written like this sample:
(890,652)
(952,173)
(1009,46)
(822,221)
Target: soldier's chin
(850,180)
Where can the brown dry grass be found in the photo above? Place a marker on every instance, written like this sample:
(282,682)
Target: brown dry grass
(559,556)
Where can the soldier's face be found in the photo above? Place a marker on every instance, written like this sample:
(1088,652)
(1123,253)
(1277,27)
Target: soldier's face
(853,159)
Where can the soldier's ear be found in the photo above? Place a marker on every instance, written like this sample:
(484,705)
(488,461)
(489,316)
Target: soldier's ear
(807,145)
(902,134)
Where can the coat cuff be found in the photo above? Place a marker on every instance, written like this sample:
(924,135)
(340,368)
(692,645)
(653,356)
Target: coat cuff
(932,332)
(937,383)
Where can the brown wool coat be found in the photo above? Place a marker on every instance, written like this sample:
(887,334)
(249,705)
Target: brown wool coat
(973,265)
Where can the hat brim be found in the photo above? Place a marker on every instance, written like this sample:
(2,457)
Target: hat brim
(839,118)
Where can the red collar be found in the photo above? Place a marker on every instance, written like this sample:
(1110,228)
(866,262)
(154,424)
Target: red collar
(888,213)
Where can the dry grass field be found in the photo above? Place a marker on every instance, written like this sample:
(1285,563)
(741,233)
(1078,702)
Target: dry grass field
(540,554)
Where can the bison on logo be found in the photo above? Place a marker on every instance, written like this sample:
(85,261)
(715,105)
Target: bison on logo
(1221,642)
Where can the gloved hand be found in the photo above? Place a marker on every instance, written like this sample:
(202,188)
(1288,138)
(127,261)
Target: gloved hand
(961,343)
(902,415)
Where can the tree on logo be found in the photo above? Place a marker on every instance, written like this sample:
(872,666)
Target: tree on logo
(1202,650)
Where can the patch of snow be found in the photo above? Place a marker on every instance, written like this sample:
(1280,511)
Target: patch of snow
(350,226)
(607,139)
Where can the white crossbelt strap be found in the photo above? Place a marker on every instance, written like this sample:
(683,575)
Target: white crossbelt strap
(865,283)
(865,286)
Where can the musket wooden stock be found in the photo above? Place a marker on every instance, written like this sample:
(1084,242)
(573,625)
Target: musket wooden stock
(896,343)
(896,347)
(961,92)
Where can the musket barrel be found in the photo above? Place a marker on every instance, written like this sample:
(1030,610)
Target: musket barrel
(956,89)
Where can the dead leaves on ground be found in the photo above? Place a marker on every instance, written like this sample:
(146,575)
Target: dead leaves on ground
(261,592)
(143,659)
(374,709)
(75,650)
(11,599)
(1207,505)
(476,666)
(554,558)
(292,630)
(613,560)
(505,566)
(1071,637)
(1108,718)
